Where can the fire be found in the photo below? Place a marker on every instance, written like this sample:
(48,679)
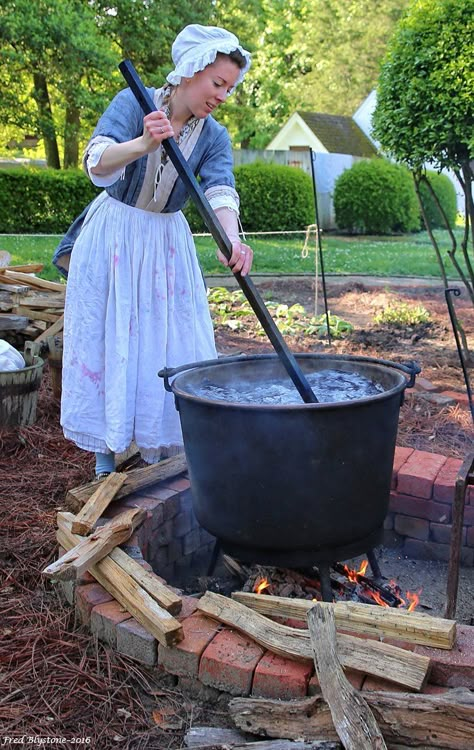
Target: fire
(376,597)
(414,599)
(261,585)
(353,575)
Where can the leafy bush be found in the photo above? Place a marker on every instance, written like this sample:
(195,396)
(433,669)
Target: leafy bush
(402,314)
(231,309)
(42,200)
(375,196)
(446,194)
(272,197)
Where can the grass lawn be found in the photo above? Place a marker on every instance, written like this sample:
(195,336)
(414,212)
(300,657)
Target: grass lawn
(407,255)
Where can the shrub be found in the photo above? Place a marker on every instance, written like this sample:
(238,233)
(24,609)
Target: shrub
(375,196)
(42,200)
(402,314)
(446,194)
(272,197)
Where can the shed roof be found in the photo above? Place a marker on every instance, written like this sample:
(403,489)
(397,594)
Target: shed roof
(339,134)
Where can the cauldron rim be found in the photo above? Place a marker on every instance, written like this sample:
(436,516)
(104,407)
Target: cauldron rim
(384,365)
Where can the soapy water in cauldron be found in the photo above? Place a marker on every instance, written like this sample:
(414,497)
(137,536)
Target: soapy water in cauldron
(329,386)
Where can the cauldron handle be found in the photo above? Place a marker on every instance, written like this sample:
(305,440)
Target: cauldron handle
(169,372)
(410,368)
(202,204)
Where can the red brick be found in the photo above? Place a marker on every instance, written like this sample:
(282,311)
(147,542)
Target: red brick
(104,621)
(355,678)
(454,668)
(470,496)
(87,597)
(376,683)
(229,663)
(183,658)
(85,578)
(469,515)
(441,533)
(470,536)
(401,456)
(280,678)
(420,508)
(416,477)
(430,689)
(443,489)
(135,641)
(461,398)
(435,551)
(179,484)
(423,384)
(158,492)
(188,607)
(417,528)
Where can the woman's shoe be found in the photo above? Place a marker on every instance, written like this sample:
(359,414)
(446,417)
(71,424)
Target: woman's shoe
(103,474)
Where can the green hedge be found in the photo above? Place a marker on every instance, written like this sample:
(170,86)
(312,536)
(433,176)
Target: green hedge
(42,200)
(446,194)
(272,197)
(375,196)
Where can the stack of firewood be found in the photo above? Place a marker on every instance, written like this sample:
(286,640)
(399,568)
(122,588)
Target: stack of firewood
(91,543)
(29,305)
(340,716)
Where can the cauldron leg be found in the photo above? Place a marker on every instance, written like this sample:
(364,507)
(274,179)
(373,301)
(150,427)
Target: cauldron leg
(374,564)
(214,557)
(325,581)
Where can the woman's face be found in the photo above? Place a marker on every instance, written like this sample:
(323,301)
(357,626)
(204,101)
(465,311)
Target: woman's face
(211,86)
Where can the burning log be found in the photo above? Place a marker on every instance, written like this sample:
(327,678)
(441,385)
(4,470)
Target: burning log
(157,621)
(432,721)
(370,657)
(354,721)
(90,513)
(89,551)
(412,627)
(135,480)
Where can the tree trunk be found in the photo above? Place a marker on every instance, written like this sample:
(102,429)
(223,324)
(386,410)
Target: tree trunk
(46,124)
(71,135)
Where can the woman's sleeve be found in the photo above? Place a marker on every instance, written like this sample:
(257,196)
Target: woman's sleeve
(122,121)
(217,177)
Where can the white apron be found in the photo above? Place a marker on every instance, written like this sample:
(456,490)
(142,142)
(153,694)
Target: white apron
(135,303)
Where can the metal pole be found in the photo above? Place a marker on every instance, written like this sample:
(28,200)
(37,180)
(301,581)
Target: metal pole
(202,204)
(320,249)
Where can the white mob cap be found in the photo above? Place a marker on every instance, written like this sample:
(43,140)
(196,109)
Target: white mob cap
(197,46)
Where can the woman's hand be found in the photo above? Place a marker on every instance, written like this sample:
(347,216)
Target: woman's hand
(241,259)
(156,128)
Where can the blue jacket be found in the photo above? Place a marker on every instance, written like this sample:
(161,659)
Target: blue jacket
(211,159)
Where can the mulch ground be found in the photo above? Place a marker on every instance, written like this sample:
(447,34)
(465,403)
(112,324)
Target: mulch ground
(56,680)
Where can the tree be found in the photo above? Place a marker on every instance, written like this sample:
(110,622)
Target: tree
(342,43)
(47,50)
(425,104)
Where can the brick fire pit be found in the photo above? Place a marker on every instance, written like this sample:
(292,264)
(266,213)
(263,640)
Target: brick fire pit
(171,543)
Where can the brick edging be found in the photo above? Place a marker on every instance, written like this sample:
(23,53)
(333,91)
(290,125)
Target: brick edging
(224,660)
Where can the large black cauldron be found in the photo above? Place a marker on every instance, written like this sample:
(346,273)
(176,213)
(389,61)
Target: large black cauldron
(290,485)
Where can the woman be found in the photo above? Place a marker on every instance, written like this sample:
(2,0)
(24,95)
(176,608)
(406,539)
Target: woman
(136,301)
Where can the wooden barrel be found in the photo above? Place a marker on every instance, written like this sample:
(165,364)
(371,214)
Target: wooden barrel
(19,394)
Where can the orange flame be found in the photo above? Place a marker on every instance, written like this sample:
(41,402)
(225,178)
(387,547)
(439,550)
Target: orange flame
(376,597)
(353,575)
(414,599)
(261,585)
